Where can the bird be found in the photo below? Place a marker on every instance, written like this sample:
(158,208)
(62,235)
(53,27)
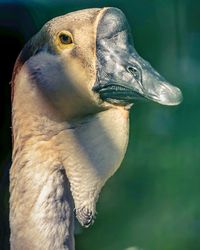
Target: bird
(73,86)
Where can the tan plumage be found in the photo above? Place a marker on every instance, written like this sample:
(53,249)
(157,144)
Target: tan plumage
(68,139)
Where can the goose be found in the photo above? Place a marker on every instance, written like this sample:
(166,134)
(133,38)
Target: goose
(73,85)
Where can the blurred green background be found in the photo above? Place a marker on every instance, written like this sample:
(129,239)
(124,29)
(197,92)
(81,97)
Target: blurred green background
(152,202)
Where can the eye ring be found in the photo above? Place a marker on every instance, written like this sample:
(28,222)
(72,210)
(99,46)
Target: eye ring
(65,38)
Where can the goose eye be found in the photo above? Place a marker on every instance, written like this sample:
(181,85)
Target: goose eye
(65,38)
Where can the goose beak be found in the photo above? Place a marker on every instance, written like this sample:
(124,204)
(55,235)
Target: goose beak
(124,76)
(136,79)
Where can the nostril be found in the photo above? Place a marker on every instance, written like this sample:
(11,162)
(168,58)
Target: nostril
(134,71)
(130,68)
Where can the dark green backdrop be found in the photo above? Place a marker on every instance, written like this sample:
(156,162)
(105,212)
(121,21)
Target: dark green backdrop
(152,202)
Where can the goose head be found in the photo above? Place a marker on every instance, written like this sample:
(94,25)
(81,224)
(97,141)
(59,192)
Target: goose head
(85,61)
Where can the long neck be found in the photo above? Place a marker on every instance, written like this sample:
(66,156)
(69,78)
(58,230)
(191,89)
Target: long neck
(54,161)
(41,205)
(85,155)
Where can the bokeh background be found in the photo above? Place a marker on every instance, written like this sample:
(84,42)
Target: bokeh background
(152,202)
